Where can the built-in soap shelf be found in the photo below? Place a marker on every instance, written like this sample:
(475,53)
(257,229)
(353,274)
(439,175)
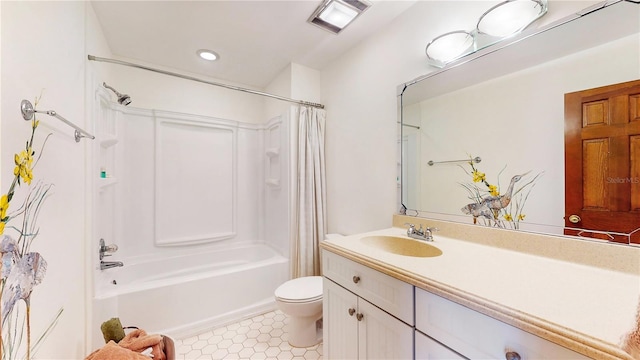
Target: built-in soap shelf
(108,141)
(105,182)
(273,182)
(272,152)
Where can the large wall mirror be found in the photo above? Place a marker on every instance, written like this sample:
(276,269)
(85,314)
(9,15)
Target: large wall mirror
(506,105)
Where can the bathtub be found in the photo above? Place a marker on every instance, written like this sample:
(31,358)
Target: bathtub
(185,295)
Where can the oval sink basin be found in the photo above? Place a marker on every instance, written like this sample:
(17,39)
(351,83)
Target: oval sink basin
(402,246)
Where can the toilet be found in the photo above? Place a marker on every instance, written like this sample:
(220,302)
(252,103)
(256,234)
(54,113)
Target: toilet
(301,300)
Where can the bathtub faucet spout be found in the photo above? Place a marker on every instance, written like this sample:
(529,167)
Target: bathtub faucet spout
(110,264)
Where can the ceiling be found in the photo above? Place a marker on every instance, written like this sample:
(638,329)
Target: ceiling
(256,39)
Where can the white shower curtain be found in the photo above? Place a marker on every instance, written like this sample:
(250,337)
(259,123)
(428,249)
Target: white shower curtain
(310,214)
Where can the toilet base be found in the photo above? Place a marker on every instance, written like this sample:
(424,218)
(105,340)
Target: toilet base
(304,331)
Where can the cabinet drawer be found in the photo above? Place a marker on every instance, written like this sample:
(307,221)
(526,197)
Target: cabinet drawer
(477,336)
(392,295)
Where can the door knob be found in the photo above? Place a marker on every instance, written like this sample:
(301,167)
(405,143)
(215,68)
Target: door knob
(352,311)
(356,279)
(359,317)
(574,219)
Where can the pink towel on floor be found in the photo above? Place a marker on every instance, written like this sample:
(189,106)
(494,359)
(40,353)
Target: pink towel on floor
(138,341)
(112,351)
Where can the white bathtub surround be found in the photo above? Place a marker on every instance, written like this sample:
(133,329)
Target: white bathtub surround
(310,214)
(199,208)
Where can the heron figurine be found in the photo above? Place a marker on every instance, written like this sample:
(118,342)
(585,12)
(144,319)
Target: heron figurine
(496,203)
(488,207)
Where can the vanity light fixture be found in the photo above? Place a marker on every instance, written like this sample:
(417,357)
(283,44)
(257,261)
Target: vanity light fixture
(448,47)
(335,15)
(502,20)
(208,55)
(510,17)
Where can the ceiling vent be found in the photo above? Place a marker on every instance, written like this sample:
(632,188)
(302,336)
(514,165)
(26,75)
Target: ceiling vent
(335,15)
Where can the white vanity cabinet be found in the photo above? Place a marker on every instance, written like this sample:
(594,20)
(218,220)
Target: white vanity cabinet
(429,349)
(477,336)
(362,309)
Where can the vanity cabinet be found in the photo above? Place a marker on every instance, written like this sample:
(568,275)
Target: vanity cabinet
(429,349)
(366,314)
(478,336)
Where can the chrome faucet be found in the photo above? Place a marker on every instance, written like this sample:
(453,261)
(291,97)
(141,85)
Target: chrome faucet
(110,264)
(108,250)
(425,234)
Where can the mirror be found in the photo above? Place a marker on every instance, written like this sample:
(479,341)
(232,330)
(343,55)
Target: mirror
(505,104)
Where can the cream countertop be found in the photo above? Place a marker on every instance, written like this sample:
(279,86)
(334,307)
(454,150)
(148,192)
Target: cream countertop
(568,303)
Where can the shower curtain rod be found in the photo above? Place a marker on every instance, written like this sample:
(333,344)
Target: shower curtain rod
(119,62)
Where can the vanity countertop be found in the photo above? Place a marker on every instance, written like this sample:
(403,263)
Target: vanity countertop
(586,308)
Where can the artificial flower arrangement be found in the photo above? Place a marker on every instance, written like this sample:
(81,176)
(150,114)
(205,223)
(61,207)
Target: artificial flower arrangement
(21,268)
(493,207)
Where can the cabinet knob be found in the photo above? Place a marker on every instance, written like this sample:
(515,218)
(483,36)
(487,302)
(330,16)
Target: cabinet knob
(352,311)
(359,317)
(356,279)
(512,355)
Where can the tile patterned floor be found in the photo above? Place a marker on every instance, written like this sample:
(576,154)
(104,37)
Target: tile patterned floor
(261,337)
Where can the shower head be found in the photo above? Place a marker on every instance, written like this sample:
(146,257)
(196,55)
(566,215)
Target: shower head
(123,99)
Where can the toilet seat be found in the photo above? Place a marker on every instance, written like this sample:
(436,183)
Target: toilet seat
(300,290)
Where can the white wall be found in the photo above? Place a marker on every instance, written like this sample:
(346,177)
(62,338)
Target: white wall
(43,44)
(359,89)
(149,90)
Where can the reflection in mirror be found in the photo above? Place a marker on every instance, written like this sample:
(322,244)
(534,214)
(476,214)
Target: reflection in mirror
(506,105)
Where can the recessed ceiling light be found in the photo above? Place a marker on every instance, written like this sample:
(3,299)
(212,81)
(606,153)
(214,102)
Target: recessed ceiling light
(207,54)
(335,15)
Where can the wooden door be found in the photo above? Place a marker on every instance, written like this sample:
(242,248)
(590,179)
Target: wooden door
(602,161)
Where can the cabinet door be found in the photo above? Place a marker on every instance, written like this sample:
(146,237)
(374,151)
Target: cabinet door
(339,324)
(429,349)
(381,336)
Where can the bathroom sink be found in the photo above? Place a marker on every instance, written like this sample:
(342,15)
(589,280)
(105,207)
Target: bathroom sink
(402,246)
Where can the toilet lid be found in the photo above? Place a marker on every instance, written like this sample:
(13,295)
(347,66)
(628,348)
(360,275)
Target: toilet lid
(301,289)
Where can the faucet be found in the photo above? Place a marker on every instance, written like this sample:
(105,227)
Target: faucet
(108,250)
(425,234)
(110,264)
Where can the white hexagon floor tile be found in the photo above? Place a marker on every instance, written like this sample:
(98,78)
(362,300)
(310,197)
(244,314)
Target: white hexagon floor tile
(261,337)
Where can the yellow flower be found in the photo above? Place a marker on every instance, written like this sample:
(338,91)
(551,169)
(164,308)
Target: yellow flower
(521,216)
(4,205)
(508,217)
(24,163)
(478,176)
(493,190)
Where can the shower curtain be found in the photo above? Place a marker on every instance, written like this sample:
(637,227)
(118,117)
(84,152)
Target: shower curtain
(310,219)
